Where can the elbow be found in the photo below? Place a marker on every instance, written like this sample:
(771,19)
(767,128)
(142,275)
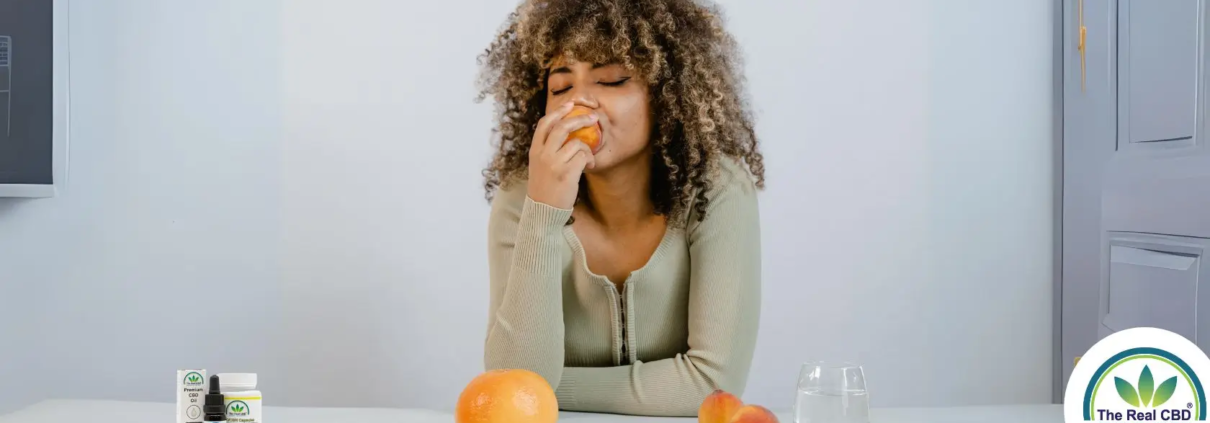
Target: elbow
(549,371)
(730,376)
(500,354)
(732,381)
(728,381)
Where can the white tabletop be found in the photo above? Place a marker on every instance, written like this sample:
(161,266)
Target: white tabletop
(74,411)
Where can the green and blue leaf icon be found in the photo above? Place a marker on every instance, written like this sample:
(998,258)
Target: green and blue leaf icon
(1146,386)
(193,378)
(1126,391)
(1164,391)
(1146,394)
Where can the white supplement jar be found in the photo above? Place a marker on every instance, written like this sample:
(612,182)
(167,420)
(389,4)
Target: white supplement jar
(240,396)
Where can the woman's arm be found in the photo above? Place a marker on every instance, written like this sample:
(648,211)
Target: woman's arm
(526,315)
(525,318)
(724,312)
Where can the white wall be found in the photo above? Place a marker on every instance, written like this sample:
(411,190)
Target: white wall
(170,218)
(273,170)
(21,302)
(383,148)
(908,221)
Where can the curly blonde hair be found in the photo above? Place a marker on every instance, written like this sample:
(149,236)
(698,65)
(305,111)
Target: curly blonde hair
(690,63)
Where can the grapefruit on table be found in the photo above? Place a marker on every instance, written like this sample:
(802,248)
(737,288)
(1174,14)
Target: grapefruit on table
(507,396)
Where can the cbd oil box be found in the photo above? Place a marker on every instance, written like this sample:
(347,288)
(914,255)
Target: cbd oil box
(190,395)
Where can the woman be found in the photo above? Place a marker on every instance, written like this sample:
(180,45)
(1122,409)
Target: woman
(628,276)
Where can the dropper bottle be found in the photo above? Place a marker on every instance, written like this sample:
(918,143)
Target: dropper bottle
(214,410)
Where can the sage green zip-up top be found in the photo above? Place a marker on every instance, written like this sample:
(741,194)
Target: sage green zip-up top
(682,326)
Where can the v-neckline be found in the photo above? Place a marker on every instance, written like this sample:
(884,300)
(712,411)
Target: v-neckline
(578,249)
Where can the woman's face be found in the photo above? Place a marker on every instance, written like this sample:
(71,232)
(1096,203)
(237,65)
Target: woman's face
(617,96)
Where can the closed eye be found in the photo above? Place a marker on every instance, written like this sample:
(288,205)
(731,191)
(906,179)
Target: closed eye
(607,84)
(616,83)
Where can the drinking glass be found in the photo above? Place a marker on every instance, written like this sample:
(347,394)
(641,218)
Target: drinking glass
(831,392)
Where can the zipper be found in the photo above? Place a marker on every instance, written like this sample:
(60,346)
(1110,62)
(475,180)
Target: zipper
(621,302)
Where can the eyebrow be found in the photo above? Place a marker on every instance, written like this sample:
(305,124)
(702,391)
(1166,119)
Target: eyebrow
(565,69)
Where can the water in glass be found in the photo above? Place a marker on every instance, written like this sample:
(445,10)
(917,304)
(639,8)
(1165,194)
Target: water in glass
(816,406)
(831,393)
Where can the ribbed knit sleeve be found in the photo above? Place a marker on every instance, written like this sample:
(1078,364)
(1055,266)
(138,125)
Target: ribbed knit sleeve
(525,328)
(724,313)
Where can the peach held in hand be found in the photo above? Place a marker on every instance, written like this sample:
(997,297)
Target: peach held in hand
(753,414)
(590,135)
(718,407)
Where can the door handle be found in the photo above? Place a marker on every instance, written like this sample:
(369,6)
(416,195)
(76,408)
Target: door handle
(1082,46)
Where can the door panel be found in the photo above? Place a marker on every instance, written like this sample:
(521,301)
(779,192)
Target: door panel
(1152,282)
(1157,64)
(1136,172)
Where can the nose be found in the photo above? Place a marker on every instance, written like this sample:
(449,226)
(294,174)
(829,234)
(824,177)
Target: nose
(583,97)
(586,101)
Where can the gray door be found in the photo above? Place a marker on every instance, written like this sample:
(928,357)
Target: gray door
(1136,172)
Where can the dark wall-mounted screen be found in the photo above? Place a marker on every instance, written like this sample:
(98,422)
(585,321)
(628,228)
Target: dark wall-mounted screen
(26,91)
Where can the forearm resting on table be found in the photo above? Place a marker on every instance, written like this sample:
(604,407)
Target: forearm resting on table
(671,387)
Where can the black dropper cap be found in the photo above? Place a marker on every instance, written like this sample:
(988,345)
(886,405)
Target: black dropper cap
(214,409)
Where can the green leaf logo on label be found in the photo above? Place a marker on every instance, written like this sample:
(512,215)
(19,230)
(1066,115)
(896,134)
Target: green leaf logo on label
(1146,395)
(237,408)
(193,379)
